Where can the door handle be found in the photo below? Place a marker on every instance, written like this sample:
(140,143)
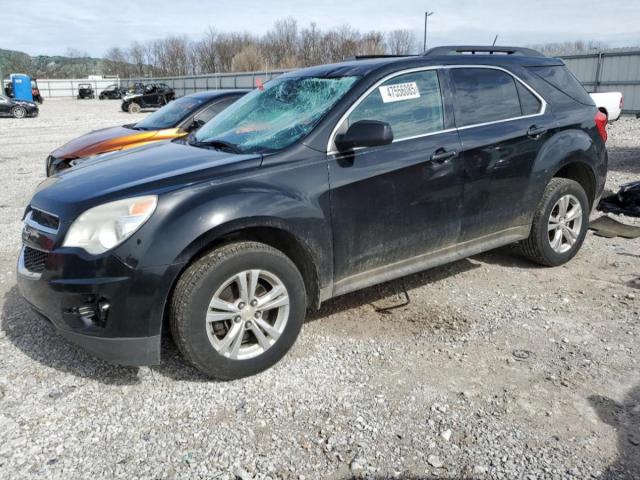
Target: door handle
(442,156)
(535,131)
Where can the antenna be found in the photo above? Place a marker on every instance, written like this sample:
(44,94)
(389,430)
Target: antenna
(494,41)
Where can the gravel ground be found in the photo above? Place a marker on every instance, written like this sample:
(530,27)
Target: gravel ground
(490,367)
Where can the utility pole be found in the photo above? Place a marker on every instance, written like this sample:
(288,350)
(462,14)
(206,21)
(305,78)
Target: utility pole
(426,18)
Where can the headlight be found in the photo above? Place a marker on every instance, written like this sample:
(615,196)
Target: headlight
(104,227)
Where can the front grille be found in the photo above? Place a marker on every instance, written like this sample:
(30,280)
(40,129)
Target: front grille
(45,219)
(34,260)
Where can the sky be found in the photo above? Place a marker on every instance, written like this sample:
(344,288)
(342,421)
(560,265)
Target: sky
(51,27)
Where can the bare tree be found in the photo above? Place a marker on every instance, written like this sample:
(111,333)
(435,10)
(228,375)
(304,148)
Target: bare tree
(400,42)
(206,52)
(136,54)
(311,50)
(228,45)
(248,59)
(570,48)
(285,45)
(372,43)
(116,62)
(280,45)
(75,53)
(341,43)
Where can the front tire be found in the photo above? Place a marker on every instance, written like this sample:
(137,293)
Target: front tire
(238,310)
(559,225)
(19,112)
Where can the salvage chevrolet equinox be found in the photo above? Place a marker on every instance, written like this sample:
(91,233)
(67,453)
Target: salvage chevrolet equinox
(323,181)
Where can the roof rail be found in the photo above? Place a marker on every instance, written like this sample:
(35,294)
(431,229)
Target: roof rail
(367,57)
(481,50)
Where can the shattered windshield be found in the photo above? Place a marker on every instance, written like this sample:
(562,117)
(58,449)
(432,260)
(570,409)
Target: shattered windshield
(171,114)
(275,116)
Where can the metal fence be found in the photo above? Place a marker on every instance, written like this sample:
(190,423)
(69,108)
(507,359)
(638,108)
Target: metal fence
(598,72)
(196,83)
(610,72)
(69,87)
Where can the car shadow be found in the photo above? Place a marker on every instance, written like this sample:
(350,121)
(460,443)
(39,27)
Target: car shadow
(406,477)
(37,339)
(624,160)
(508,256)
(175,367)
(624,417)
(397,292)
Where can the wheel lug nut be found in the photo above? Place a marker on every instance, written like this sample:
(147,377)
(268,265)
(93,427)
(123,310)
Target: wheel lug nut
(254,302)
(241,305)
(258,314)
(237,319)
(247,324)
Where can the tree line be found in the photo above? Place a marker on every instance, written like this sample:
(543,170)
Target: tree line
(285,45)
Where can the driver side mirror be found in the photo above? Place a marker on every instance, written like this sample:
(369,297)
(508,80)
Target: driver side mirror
(365,133)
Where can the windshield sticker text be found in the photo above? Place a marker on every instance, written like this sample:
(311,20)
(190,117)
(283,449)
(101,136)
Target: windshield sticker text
(399,91)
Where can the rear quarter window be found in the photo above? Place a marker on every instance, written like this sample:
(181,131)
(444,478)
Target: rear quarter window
(562,79)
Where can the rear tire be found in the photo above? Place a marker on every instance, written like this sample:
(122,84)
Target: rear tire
(227,331)
(134,108)
(19,112)
(559,225)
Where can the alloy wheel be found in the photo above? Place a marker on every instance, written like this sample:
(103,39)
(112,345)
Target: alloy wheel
(565,223)
(19,112)
(247,314)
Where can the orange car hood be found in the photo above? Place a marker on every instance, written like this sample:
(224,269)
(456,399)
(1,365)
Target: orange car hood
(112,139)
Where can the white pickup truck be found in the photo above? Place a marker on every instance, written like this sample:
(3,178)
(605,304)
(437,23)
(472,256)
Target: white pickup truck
(609,103)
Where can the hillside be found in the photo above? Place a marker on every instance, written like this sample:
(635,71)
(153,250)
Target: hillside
(43,66)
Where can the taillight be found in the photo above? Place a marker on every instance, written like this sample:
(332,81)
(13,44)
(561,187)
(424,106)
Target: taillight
(601,125)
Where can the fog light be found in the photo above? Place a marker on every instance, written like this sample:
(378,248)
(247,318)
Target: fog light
(103,311)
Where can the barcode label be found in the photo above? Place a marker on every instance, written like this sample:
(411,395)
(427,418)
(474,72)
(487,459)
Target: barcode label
(399,92)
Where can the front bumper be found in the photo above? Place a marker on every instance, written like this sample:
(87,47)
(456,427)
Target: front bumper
(110,309)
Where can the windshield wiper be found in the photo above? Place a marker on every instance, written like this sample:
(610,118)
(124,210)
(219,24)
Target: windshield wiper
(216,144)
(134,126)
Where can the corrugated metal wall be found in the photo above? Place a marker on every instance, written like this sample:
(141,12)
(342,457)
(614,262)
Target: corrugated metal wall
(69,87)
(610,72)
(598,72)
(196,83)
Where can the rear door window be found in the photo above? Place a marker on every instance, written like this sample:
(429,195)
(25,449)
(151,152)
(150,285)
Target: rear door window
(484,95)
(411,103)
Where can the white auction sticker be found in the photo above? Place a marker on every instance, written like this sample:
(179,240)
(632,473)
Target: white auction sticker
(399,91)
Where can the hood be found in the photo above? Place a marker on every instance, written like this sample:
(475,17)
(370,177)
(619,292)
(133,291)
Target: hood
(154,168)
(17,101)
(104,140)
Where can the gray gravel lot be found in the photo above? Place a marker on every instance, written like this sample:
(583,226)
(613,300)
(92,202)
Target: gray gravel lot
(490,367)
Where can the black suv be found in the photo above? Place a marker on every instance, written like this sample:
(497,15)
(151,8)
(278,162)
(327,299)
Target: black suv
(112,92)
(321,182)
(155,95)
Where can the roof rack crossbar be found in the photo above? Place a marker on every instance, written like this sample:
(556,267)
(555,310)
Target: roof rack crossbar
(481,50)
